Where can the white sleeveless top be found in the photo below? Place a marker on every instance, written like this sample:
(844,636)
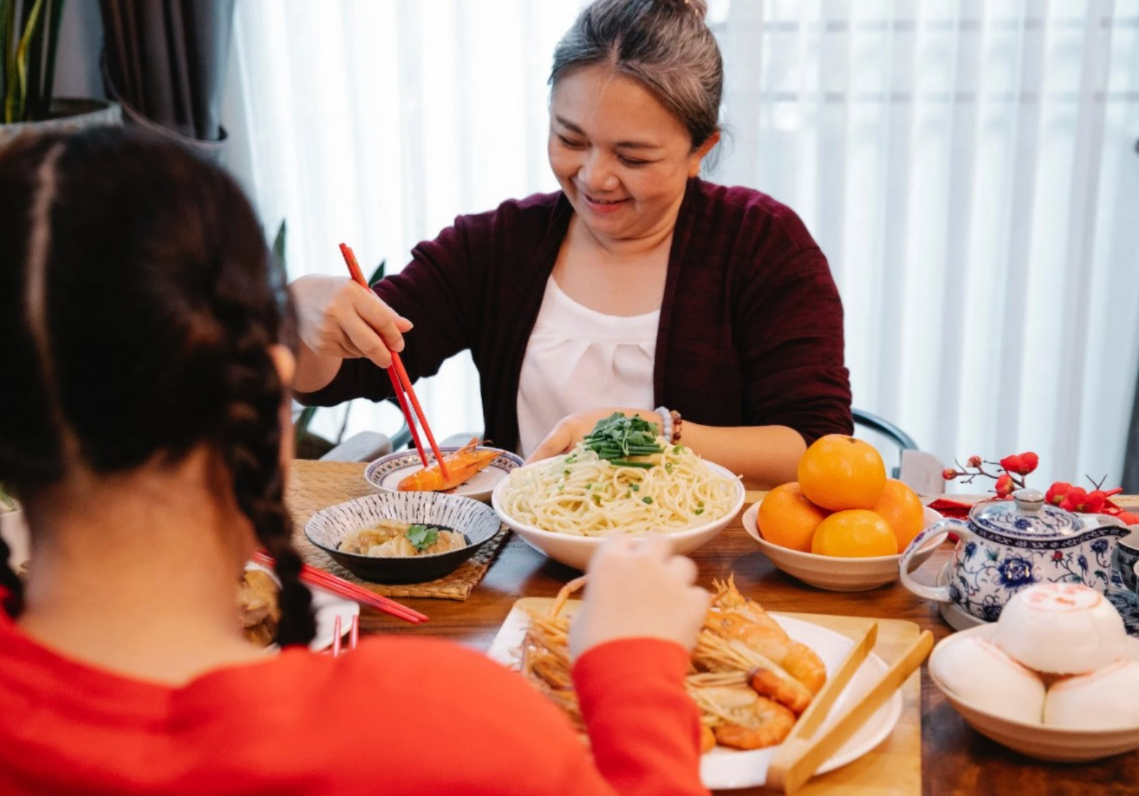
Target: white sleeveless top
(578,359)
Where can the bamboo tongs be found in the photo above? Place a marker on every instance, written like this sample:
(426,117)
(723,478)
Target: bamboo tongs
(804,750)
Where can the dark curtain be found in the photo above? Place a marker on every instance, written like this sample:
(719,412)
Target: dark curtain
(165,61)
(1130,482)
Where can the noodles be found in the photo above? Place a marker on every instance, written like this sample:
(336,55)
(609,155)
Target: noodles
(583,495)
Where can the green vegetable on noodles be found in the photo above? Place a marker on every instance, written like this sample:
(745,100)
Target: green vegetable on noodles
(617,437)
(422,537)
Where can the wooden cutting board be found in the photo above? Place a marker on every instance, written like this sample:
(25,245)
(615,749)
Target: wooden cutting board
(894,766)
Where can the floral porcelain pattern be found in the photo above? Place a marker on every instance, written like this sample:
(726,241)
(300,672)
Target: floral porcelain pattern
(985,577)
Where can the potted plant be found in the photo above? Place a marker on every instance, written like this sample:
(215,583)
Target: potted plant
(13,529)
(29,35)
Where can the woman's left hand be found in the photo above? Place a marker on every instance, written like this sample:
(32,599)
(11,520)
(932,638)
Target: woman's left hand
(573,428)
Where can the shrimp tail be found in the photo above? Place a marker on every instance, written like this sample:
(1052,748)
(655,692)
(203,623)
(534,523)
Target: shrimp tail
(462,465)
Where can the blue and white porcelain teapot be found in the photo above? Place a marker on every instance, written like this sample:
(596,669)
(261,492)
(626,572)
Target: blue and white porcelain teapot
(1009,545)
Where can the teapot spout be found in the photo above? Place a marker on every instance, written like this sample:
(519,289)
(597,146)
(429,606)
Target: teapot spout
(1105,523)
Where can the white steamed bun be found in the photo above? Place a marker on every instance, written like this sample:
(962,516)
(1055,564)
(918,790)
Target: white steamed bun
(1106,699)
(1061,628)
(982,674)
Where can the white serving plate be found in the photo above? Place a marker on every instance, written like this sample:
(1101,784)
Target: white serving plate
(726,768)
(326,607)
(386,472)
(834,573)
(1035,740)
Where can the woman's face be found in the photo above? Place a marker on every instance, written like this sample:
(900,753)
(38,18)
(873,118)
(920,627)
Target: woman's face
(621,158)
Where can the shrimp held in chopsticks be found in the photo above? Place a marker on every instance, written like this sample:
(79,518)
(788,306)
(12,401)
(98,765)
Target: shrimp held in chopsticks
(463,465)
(736,618)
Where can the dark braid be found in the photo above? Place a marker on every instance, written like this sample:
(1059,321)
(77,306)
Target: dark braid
(252,449)
(182,356)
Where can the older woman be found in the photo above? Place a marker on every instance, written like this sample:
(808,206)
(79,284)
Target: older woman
(638,287)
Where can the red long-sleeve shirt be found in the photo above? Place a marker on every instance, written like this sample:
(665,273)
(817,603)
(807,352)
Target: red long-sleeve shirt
(408,716)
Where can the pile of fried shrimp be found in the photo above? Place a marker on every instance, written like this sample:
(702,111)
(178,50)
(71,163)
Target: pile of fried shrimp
(749,679)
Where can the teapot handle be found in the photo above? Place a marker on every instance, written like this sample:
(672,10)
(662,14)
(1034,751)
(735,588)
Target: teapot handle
(940,528)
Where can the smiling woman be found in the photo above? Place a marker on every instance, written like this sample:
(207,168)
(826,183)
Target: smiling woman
(638,287)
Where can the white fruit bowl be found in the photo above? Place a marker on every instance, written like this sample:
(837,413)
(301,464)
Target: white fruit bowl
(835,573)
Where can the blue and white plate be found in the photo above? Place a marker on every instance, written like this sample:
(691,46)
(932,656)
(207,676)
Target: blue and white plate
(386,472)
(476,521)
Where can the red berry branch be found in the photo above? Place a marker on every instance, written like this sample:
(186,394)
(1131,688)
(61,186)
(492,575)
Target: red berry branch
(1009,474)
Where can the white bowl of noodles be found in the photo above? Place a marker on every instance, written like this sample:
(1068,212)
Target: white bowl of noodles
(564,506)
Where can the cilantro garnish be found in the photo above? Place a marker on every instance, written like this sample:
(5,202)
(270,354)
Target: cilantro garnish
(421,536)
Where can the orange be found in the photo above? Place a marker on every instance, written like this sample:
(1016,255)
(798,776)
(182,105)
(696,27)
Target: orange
(788,519)
(900,507)
(855,533)
(839,472)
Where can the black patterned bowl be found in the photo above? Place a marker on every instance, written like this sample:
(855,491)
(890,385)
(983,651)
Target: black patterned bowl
(476,521)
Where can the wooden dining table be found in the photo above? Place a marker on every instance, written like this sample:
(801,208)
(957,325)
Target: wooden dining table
(954,758)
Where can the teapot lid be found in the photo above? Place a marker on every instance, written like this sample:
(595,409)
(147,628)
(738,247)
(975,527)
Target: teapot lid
(1026,517)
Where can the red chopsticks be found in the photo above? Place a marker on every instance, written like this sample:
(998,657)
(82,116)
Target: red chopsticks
(329,582)
(400,381)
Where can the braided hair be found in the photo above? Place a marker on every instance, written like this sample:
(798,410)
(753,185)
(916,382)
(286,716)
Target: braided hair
(138,305)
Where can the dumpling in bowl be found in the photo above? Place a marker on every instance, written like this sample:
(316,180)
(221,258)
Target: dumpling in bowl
(982,674)
(396,539)
(257,603)
(1061,629)
(1101,700)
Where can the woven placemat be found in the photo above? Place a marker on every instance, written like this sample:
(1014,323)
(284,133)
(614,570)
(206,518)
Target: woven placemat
(314,485)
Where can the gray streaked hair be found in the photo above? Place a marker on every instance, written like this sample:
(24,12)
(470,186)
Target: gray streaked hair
(662,44)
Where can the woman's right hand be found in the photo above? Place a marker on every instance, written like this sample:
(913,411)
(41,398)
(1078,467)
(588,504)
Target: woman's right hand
(637,588)
(340,319)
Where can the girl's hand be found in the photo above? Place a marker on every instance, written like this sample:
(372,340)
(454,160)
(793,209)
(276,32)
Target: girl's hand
(339,318)
(637,588)
(573,428)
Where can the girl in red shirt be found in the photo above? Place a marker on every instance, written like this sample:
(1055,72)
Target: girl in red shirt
(143,426)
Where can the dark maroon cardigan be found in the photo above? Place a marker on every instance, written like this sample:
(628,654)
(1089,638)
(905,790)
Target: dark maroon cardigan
(750,328)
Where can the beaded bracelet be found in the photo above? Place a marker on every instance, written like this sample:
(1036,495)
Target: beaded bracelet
(670,424)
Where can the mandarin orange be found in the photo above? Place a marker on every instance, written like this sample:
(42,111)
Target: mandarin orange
(839,472)
(854,533)
(786,518)
(901,508)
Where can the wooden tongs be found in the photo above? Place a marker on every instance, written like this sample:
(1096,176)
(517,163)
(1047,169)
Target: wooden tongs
(805,749)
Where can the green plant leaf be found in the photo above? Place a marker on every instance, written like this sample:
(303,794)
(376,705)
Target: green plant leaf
(279,244)
(378,274)
(7,14)
(15,104)
(33,78)
(303,420)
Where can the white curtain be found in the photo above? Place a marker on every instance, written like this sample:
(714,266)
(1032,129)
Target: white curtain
(968,166)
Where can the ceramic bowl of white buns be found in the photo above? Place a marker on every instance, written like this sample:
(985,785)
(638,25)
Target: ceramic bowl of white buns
(1046,679)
